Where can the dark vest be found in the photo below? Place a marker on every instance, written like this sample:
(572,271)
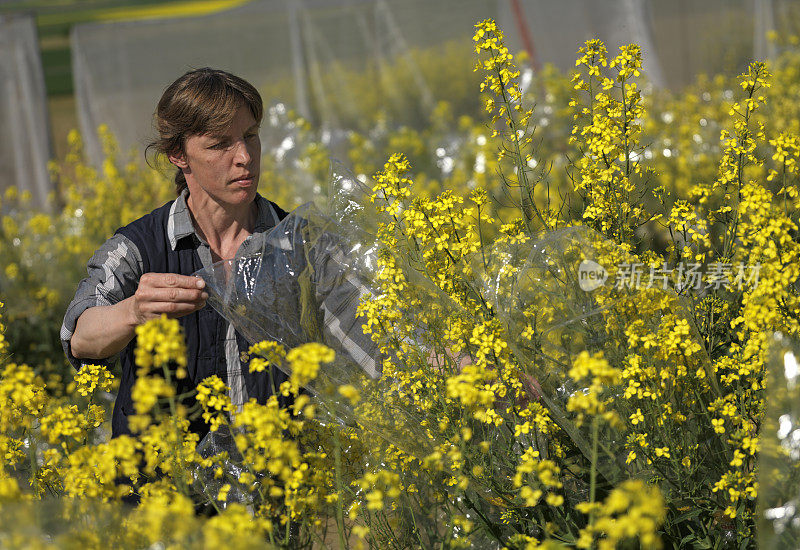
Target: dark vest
(204,330)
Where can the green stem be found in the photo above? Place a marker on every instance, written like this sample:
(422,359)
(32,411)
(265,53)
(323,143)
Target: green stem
(526,193)
(740,164)
(337,453)
(593,472)
(180,479)
(626,148)
(34,469)
(491,526)
(480,234)
(785,209)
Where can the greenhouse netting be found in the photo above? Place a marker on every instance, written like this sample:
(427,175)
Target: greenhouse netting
(335,62)
(24,129)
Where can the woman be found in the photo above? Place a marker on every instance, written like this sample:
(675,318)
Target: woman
(208,123)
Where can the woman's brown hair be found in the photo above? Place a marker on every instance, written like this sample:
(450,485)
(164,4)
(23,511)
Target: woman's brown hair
(203,101)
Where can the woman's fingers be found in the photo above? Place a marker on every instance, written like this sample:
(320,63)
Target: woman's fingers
(532,387)
(170,280)
(153,310)
(156,294)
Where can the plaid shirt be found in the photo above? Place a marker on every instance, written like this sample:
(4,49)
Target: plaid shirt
(115,268)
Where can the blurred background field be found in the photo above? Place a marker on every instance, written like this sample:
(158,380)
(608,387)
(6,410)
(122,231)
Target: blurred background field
(700,164)
(681,39)
(53,23)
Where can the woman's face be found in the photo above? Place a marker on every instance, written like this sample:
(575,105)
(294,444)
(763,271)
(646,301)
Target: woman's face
(224,167)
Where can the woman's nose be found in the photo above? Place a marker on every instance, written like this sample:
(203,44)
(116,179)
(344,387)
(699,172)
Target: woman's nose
(242,153)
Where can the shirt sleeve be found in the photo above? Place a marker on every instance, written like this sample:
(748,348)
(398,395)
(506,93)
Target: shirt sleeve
(113,275)
(339,290)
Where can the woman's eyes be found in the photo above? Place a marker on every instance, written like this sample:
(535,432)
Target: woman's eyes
(226,144)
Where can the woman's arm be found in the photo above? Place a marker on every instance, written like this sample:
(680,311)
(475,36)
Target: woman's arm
(103,331)
(116,296)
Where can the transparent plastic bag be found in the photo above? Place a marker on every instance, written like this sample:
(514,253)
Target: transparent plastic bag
(220,446)
(302,285)
(314,268)
(779,460)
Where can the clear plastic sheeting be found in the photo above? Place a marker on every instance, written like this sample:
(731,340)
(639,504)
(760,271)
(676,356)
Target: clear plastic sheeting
(220,447)
(367,56)
(545,274)
(313,269)
(304,285)
(779,461)
(553,31)
(24,129)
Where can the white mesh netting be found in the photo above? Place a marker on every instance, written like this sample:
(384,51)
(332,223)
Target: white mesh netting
(24,132)
(320,57)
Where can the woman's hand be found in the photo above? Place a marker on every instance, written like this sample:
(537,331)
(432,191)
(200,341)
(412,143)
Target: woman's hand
(530,385)
(533,390)
(167,293)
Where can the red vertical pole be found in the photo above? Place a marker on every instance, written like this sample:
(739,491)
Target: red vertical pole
(525,34)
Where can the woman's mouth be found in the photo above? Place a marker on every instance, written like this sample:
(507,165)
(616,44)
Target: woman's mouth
(245,180)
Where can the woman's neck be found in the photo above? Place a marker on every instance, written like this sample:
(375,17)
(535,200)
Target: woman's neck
(224,227)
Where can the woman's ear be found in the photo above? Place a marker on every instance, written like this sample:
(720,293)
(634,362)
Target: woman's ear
(179,160)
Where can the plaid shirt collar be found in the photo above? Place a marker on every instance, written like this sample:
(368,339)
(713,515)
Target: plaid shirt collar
(179,223)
